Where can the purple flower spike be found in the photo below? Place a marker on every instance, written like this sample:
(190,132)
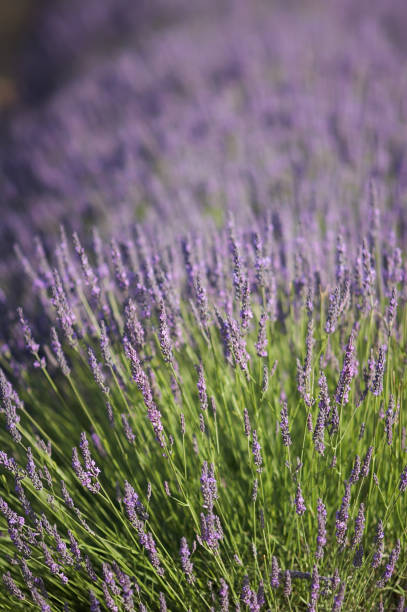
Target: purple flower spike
(321,537)
(12,587)
(256,449)
(261,344)
(275,573)
(377,385)
(203,397)
(287,584)
(224,596)
(186,563)
(364,470)
(338,599)
(359,526)
(59,353)
(32,346)
(379,541)
(403,480)
(88,477)
(300,506)
(349,371)
(314,589)
(285,433)
(165,340)
(342,516)
(388,572)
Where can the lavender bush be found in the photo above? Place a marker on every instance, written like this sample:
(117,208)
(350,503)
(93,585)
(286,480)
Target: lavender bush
(202,386)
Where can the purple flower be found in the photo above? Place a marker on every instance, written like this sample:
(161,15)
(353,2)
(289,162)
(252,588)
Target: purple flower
(377,384)
(203,397)
(32,470)
(105,345)
(224,596)
(128,432)
(391,310)
(359,527)
(246,594)
(261,344)
(32,346)
(237,263)
(256,449)
(12,587)
(255,490)
(163,603)
(403,480)
(64,312)
(321,537)
(388,572)
(97,372)
(202,302)
(333,311)
(74,547)
(287,584)
(358,556)
(186,563)
(147,541)
(154,415)
(314,589)
(87,270)
(59,353)
(165,340)
(349,370)
(119,268)
(285,433)
(134,508)
(355,473)
(379,541)
(133,328)
(211,530)
(323,413)
(245,311)
(88,477)
(247,427)
(208,486)
(338,599)
(9,402)
(300,506)
(390,418)
(364,470)
(94,603)
(342,516)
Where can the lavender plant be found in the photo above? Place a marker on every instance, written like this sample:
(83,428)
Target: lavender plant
(210,415)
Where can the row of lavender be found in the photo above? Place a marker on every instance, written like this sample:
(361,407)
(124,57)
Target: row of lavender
(203,395)
(211,423)
(244,106)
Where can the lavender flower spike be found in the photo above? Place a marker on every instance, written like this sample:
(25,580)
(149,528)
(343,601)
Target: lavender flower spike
(321,538)
(88,477)
(348,372)
(379,540)
(314,589)
(300,506)
(388,572)
(377,385)
(256,449)
(285,433)
(403,480)
(275,573)
(186,563)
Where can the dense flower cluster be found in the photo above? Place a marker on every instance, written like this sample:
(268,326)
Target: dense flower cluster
(202,381)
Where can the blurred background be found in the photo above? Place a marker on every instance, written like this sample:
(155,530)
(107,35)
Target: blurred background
(117,111)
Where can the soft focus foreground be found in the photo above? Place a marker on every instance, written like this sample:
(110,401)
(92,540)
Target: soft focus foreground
(203,392)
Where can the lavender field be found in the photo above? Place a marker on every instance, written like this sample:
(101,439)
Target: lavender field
(203,299)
